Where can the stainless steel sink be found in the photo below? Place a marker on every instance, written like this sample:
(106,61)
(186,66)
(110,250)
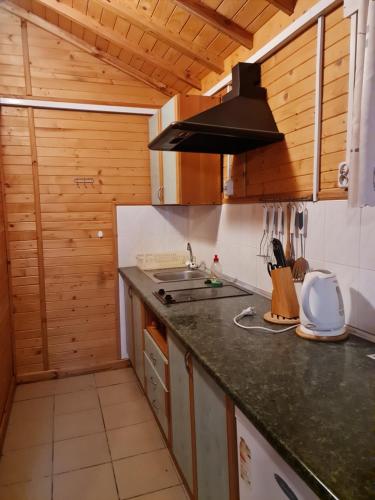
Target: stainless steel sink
(162,276)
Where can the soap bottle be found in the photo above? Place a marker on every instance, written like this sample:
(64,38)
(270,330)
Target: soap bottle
(216,270)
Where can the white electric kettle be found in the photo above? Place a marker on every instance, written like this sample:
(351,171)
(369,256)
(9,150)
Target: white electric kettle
(322,307)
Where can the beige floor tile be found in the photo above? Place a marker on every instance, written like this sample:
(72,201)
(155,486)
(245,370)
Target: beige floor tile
(80,452)
(35,390)
(120,393)
(78,424)
(26,464)
(31,408)
(76,401)
(174,493)
(145,473)
(73,384)
(113,377)
(39,489)
(132,412)
(94,483)
(135,439)
(32,432)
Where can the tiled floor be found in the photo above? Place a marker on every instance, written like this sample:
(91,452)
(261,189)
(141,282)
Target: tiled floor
(91,437)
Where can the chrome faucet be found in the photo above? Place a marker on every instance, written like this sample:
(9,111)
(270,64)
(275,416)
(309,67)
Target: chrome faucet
(192,262)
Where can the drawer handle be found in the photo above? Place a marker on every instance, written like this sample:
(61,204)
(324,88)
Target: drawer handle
(153,382)
(285,487)
(153,359)
(155,404)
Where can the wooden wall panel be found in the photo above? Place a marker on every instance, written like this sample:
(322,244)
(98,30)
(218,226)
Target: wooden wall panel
(12,78)
(22,237)
(6,348)
(63,72)
(80,267)
(285,170)
(335,99)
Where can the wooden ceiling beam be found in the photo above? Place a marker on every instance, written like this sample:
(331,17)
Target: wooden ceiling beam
(86,47)
(191,49)
(286,6)
(218,21)
(118,39)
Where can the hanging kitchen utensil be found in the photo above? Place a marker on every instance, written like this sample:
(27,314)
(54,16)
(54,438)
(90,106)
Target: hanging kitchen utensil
(301,266)
(280,223)
(292,231)
(265,225)
(288,254)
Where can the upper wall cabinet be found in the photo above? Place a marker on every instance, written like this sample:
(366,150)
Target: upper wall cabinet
(183,178)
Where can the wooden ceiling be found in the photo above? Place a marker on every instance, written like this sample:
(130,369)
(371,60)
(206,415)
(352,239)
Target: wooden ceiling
(169,44)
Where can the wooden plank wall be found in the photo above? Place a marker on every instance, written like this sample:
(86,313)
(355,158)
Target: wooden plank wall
(22,237)
(284,170)
(60,71)
(62,276)
(78,267)
(6,348)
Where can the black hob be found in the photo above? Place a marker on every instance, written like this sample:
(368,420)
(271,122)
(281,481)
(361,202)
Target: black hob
(178,296)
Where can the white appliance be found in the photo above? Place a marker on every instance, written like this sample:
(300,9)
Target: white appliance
(322,307)
(263,474)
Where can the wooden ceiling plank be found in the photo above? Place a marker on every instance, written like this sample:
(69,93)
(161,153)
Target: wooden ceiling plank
(218,21)
(286,6)
(81,44)
(96,27)
(146,23)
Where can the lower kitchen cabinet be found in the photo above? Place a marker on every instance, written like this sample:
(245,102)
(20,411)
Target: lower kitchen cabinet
(179,388)
(211,437)
(138,325)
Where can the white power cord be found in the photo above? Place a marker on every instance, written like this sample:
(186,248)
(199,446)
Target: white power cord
(250,311)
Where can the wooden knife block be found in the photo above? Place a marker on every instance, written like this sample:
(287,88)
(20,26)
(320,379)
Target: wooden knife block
(284,298)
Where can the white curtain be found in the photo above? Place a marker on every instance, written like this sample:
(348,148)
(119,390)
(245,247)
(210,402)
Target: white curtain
(362,157)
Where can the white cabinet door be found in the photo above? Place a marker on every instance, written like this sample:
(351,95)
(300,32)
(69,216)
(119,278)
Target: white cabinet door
(263,474)
(170,159)
(156,186)
(138,338)
(180,408)
(211,437)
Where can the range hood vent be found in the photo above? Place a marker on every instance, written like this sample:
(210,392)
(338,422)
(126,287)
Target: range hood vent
(243,121)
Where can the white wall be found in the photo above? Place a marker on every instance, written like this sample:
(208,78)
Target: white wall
(145,229)
(340,239)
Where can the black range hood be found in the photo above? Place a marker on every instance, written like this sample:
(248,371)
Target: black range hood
(243,121)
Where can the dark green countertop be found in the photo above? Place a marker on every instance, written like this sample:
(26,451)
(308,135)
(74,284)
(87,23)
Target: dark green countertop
(314,402)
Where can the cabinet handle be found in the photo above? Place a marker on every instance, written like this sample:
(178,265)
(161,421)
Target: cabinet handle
(159,193)
(153,359)
(152,380)
(155,404)
(130,293)
(285,487)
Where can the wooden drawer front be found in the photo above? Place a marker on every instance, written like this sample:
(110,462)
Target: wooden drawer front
(156,357)
(156,394)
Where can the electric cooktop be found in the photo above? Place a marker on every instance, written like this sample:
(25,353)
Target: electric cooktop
(202,293)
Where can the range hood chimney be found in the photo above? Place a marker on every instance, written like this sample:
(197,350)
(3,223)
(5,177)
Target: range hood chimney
(243,121)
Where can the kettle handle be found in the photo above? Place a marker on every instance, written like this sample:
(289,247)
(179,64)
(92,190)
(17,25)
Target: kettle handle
(305,299)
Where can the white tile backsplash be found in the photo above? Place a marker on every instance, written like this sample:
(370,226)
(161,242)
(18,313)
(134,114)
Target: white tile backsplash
(340,239)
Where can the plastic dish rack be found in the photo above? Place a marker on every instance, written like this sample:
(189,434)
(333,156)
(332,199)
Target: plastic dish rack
(147,261)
